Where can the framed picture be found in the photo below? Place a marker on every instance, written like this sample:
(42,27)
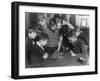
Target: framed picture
(50,40)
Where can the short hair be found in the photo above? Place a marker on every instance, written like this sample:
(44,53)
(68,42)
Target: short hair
(42,36)
(57,16)
(29,30)
(63,16)
(77,29)
(39,29)
(52,21)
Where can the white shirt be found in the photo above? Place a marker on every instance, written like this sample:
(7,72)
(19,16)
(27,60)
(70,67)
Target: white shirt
(39,45)
(45,56)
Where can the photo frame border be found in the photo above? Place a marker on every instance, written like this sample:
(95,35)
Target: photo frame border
(15,39)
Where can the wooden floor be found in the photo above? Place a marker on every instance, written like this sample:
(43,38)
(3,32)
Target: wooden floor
(67,61)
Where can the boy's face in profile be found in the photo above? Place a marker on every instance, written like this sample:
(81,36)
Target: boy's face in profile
(58,20)
(32,35)
(72,39)
(77,33)
(44,42)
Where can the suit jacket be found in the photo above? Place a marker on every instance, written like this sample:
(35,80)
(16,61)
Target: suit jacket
(83,37)
(28,49)
(36,55)
(78,46)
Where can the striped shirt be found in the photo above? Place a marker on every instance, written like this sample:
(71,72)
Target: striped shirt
(53,37)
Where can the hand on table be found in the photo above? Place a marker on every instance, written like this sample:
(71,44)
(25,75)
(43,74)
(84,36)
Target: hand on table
(72,54)
(45,56)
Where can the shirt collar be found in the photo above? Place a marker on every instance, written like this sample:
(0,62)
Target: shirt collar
(39,45)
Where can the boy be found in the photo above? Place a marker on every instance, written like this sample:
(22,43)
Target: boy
(78,33)
(77,46)
(53,34)
(29,41)
(38,55)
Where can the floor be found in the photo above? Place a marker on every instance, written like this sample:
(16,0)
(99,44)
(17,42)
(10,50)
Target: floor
(68,60)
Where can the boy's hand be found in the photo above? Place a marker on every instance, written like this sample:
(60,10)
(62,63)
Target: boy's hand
(72,54)
(45,56)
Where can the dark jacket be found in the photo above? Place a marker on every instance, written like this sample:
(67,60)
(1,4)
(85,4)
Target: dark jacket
(36,55)
(28,49)
(65,31)
(78,46)
(83,37)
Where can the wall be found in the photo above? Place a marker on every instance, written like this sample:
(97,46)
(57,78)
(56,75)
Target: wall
(27,20)
(82,21)
(5,41)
